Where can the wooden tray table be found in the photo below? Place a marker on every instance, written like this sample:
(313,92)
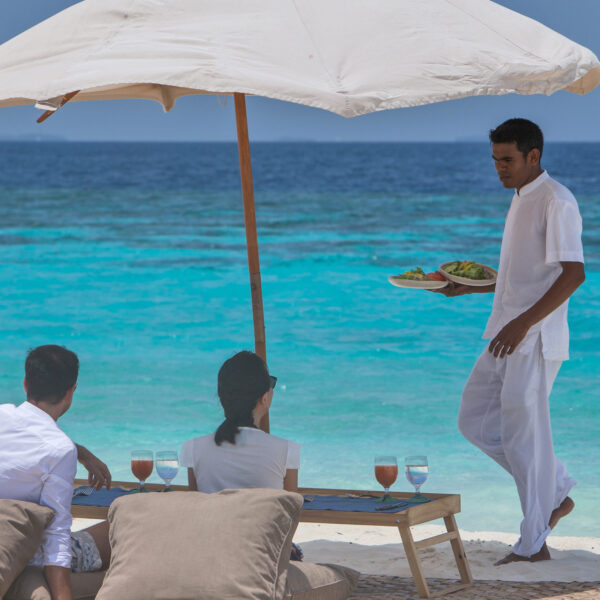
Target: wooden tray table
(443,506)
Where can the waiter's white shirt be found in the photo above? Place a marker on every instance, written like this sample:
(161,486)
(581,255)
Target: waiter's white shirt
(256,460)
(543,227)
(38,463)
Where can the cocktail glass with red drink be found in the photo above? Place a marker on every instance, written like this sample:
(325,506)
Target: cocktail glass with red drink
(386,472)
(142,463)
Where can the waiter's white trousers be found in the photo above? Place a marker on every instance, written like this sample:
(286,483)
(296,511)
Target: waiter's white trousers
(504,412)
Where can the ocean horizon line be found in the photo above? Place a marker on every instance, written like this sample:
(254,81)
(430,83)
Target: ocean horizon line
(33,139)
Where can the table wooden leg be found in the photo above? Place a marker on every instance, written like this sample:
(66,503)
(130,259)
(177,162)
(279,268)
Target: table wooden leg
(459,552)
(413,560)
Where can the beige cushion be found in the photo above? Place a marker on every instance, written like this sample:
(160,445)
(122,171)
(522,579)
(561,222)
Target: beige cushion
(233,545)
(31,585)
(21,527)
(307,581)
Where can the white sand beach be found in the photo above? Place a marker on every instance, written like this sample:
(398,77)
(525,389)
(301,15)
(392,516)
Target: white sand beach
(379,551)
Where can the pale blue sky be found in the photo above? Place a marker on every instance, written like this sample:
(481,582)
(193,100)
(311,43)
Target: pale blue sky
(563,116)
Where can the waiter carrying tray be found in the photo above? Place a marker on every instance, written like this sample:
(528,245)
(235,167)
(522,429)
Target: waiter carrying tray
(504,409)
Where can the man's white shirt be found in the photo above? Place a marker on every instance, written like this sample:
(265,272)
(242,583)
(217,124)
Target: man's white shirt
(38,463)
(543,228)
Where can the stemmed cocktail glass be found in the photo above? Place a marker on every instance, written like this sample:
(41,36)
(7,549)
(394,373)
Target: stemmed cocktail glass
(142,463)
(417,470)
(167,465)
(386,471)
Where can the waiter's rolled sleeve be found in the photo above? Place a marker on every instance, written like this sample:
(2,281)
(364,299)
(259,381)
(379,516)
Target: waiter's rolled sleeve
(563,233)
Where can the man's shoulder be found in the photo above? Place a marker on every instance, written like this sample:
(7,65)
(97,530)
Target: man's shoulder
(51,443)
(64,448)
(557,192)
(7,417)
(60,443)
(7,409)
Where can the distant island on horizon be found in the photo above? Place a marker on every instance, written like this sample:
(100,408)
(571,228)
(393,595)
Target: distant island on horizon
(33,137)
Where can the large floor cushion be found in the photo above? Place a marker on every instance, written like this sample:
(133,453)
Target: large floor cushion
(233,545)
(305,581)
(31,585)
(308,581)
(21,527)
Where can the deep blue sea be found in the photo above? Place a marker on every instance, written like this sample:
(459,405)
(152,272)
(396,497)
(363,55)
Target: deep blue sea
(133,255)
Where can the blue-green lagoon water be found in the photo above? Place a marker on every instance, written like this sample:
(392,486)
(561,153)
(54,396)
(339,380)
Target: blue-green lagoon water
(133,255)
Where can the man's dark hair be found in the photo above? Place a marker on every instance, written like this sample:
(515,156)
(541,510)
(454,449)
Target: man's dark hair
(50,372)
(524,133)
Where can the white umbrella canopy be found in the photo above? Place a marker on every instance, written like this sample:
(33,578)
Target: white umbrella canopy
(350,57)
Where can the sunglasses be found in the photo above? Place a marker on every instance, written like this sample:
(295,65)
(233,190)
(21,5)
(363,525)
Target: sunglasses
(273,381)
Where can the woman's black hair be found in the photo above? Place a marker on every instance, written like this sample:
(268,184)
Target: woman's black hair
(243,380)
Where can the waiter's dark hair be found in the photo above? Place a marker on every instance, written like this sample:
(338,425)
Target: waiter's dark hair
(526,134)
(50,372)
(243,380)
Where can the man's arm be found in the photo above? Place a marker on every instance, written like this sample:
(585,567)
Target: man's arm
(59,582)
(512,334)
(98,473)
(456,289)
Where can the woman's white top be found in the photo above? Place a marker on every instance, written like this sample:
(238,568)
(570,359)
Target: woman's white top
(256,460)
(543,228)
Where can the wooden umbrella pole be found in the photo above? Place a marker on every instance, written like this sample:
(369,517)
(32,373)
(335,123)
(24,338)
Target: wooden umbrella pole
(251,237)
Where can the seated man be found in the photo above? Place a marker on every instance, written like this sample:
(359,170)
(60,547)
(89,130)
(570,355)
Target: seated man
(38,463)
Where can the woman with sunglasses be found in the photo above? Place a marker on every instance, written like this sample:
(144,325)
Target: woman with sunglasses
(239,454)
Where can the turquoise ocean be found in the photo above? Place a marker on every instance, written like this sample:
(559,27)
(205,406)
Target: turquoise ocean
(133,255)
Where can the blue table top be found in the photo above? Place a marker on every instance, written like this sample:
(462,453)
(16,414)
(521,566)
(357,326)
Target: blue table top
(101,497)
(368,504)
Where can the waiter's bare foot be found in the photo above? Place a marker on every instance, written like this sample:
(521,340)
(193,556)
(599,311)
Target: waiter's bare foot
(543,554)
(566,506)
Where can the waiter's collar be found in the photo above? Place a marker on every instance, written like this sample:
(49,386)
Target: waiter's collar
(533,185)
